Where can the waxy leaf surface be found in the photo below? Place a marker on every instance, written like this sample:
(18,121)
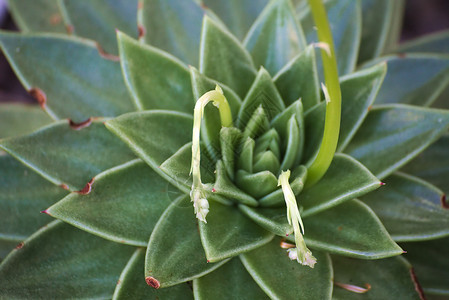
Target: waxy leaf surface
(12,118)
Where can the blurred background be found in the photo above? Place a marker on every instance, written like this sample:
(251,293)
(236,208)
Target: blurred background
(421,17)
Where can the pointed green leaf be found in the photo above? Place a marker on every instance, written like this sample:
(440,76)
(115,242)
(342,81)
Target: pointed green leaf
(393,134)
(430,43)
(37,15)
(350,229)
(257,125)
(295,144)
(345,17)
(429,260)
(272,219)
(256,184)
(238,15)
(276,198)
(173,26)
(223,58)
(377,20)
(416,79)
(60,261)
(314,128)
(299,80)
(276,37)
(346,179)
(262,93)
(12,118)
(174,253)
(281,278)
(230,141)
(69,155)
(396,26)
(386,278)
(23,194)
(433,164)
(240,235)
(153,135)
(358,90)
(225,187)
(245,160)
(68,76)
(227,282)
(97,19)
(131,284)
(133,196)
(211,125)
(155,79)
(410,208)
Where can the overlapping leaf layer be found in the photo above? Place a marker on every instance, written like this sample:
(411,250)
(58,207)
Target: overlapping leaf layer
(110,158)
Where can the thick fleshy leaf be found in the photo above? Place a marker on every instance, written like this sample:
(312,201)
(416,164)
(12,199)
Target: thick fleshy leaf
(431,43)
(385,279)
(346,179)
(276,37)
(69,155)
(396,26)
(314,128)
(393,134)
(377,20)
(7,246)
(238,15)
(345,18)
(256,184)
(410,209)
(123,205)
(211,125)
(23,194)
(358,91)
(429,259)
(227,282)
(37,15)
(281,278)
(416,79)
(350,229)
(272,219)
(173,26)
(433,164)
(61,261)
(299,80)
(155,79)
(174,253)
(132,285)
(263,93)
(13,116)
(68,76)
(223,58)
(153,135)
(239,236)
(97,19)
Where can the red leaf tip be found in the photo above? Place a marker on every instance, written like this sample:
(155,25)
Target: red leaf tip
(382,183)
(80,125)
(39,95)
(86,190)
(153,282)
(444,203)
(20,245)
(44,212)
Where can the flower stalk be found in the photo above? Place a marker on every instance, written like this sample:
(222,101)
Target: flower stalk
(198,191)
(301,253)
(332,92)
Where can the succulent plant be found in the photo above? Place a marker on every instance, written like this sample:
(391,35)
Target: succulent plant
(290,201)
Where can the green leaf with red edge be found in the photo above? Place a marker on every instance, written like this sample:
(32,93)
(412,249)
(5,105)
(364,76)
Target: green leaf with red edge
(69,154)
(37,15)
(225,283)
(98,19)
(67,75)
(131,284)
(281,278)
(180,35)
(389,278)
(155,79)
(410,208)
(175,254)
(392,135)
(124,204)
(23,194)
(79,264)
